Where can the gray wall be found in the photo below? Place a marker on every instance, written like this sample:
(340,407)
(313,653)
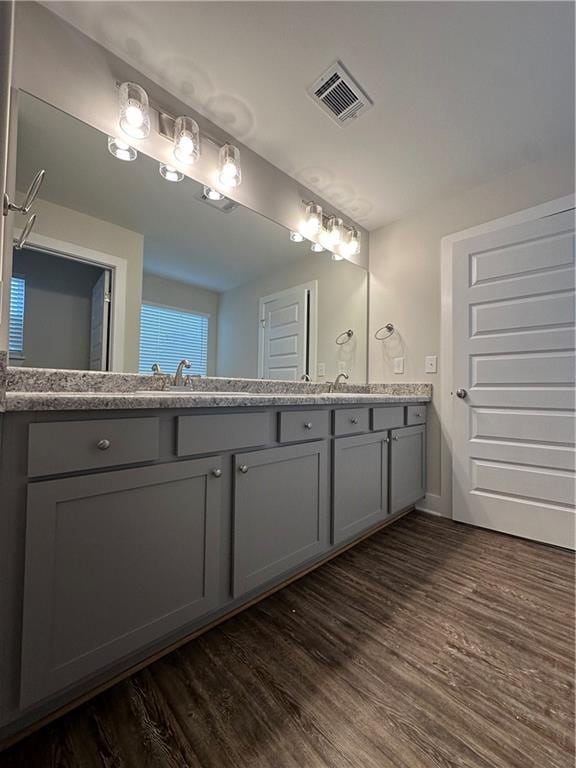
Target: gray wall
(172,293)
(57,310)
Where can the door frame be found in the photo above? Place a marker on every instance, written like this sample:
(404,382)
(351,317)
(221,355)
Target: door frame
(312,287)
(444,502)
(118,268)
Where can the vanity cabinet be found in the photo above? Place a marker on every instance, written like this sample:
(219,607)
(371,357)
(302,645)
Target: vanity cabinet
(359,484)
(280,512)
(113,562)
(407,466)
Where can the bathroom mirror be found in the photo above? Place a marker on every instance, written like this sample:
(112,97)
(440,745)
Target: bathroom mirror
(125,269)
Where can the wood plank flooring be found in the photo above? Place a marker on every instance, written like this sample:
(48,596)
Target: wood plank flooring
(432,644)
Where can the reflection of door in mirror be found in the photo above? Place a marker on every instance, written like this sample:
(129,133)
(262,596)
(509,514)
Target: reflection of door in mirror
(287,335)
(59,315)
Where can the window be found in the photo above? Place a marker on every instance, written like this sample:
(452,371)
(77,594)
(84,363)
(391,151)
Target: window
(168,335)
(16,332)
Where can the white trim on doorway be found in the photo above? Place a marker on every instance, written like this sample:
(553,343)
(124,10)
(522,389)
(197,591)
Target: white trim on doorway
(550,208)
(115,264)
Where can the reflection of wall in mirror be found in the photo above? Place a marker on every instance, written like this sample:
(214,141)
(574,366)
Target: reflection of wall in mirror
(342,304)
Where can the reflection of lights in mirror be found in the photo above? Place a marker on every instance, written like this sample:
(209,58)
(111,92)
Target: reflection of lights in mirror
(312,225)
(134,111)
(230,172)
(186,140)
(296,237)
(121,150)
(170,173)
(212,194)
(317,248)
(337,257)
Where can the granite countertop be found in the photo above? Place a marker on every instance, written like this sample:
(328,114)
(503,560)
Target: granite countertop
(35,389)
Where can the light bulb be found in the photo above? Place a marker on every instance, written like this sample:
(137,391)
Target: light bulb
(296,237)
(351,244)
(230,173)
(134,111)
(334,231)
(186,140)
(317,248)
(313,223)
(121,150)
(213,194)
(170,173)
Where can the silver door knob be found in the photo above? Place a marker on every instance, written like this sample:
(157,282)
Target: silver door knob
(243,468)
(217,472)
(103,445)
(462,393)
(308,425)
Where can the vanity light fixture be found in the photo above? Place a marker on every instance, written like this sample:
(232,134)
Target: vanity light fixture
(186,140)
(213,194)
(230,172)
(334,232)
(121,150)
(296,237)
(351,244)
(170,173)
(134,111)
(317,248)
(313,222)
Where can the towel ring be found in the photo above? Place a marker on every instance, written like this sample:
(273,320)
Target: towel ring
(388,327)
(344,337)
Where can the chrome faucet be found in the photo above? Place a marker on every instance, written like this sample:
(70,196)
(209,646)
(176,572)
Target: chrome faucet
(179,376)
(305,377)
(332,386)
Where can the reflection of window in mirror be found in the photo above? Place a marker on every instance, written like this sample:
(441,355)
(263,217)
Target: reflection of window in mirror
(17,308)
(168,335)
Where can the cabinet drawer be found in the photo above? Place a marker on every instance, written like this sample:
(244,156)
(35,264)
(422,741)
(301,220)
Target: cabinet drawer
(71,446)
(216,432)
(350,421)
(415,414)
(296,426)
(388,418)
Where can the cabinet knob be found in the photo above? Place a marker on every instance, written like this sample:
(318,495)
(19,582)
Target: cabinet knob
(217,472)
(103,445)
(354,420)
(243,468)
(308,425)
(395,437)
(386,439)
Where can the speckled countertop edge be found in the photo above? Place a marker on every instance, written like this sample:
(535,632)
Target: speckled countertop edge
(83,401)
(3,363)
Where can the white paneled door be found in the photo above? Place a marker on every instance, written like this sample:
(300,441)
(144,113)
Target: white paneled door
(513,437)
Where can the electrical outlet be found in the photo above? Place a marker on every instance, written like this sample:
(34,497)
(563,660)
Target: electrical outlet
(398,365)
(321,370)
(431,364)
(342,367)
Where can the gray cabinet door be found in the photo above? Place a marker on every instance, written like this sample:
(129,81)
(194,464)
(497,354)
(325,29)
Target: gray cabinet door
(359,485)
(114,561)
(407,467)
(281,516)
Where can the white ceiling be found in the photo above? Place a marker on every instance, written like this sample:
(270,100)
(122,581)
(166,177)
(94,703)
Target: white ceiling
(463,90)
(184,239)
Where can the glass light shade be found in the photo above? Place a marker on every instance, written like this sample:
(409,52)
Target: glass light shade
(134,111)
(170,173)
(317,248)
(186,140)
(334,231)
(351,244)
(230,172)
(313,221)
(213,194)
(296,237)
(121,150)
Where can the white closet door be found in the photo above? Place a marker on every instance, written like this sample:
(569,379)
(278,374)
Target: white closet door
(99,323)
(513,447)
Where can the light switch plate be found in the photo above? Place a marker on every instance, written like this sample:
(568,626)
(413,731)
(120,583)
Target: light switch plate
(431,364)
(321,370)
(398,365)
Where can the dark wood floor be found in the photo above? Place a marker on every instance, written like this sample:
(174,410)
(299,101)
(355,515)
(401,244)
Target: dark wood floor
(430,644)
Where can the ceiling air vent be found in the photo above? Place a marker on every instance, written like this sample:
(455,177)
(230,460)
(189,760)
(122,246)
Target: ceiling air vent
(339,95)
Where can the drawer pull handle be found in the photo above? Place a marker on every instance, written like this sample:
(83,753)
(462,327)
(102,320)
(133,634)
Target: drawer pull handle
(354,420)
(217,472)
(243,468)
(103,445)
(308,425)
